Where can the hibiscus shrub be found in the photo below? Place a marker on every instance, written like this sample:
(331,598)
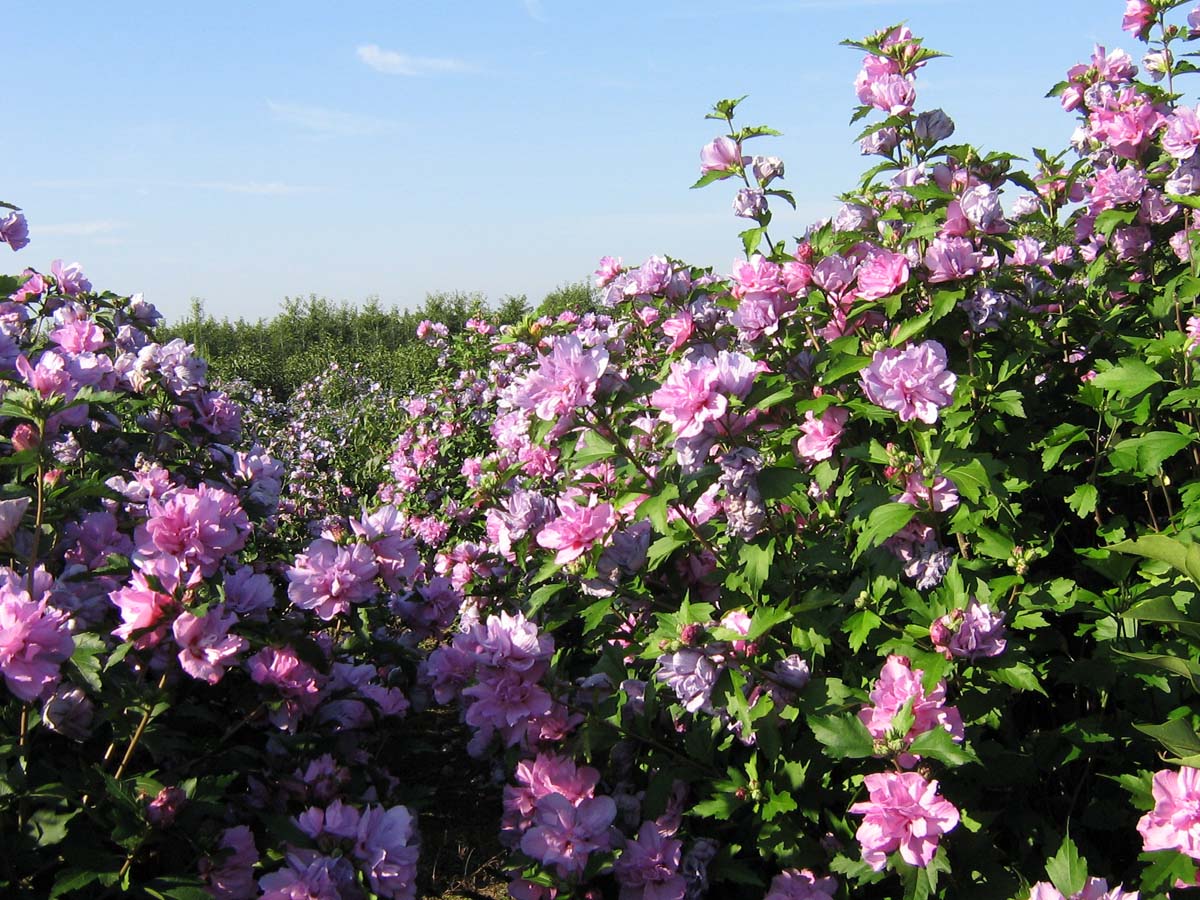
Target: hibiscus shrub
(175,726)
(868,569)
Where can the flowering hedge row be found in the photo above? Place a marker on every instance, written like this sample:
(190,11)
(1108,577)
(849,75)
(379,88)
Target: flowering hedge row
(864,570)
(868,568)
(175,724)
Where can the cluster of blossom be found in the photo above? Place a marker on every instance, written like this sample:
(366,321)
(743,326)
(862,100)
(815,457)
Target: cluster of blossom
(136,540)
(497,668)
(312,434)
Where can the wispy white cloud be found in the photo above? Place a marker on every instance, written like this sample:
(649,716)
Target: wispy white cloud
(322,120)
(79,229)
(535,10)
(392,62)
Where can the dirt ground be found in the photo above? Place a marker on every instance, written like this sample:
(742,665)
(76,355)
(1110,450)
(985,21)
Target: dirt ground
(458,804)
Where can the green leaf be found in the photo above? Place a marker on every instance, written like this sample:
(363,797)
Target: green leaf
(1157,609)
(709,177)
(859,626)
(1178,736)
(777,804)
(721,807)
(662,548)
(847,365)
(779,483)
(1020,676)
(1175,553)
(1164,868)
(938,744)
(843,737)
(756,563)
(1149,451)
(1083,500)
(883,522)
(1128,378)
(71,880)
(541,597)
(1067,869)
(751,238)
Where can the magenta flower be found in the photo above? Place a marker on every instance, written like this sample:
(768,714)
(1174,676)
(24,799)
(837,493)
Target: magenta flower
(563,381)
(904,813)
(692,675)
(206,648)
(1093,889)
(1139,14)
(973,633)
(721,155)
(898,686)
(1174,823)
(1192,332)
(295,681)
(503,700)
(610,267)
(879,85)
(882,274)
(35,640)
(935,492)
(913,382)
(14,230)
(198,527)
(310,876)
(71,280)
(11,513)
(648,868)
(689,399)
(564,834)
(1182,134)
(801,884)
(328,578)
(544,775)
(820,436)
(162,810)
(144,611)
(231,877)
(386,848)
(951,259)
(577,529)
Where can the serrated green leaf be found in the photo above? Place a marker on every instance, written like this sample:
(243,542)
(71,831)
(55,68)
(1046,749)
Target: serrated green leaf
(843,737)
(1067,870)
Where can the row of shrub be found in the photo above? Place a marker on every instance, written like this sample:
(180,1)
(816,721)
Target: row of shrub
(866,569)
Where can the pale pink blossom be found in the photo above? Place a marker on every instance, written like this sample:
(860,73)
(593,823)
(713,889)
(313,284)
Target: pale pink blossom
(914,382)
(563,381)
(935,492)
(820,435)
(882,274)
(723,154)
(801,884)
(35,640)
(328,578)
(565,834)
(648,868)
(1174,823)
(904,812)
(899,686)
(577,528)
(973,633)
(206,648)
(1138,16)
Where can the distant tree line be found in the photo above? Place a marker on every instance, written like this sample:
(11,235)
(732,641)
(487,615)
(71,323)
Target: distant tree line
(283,352)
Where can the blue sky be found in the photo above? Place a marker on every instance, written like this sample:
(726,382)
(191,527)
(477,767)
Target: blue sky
(241,152)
